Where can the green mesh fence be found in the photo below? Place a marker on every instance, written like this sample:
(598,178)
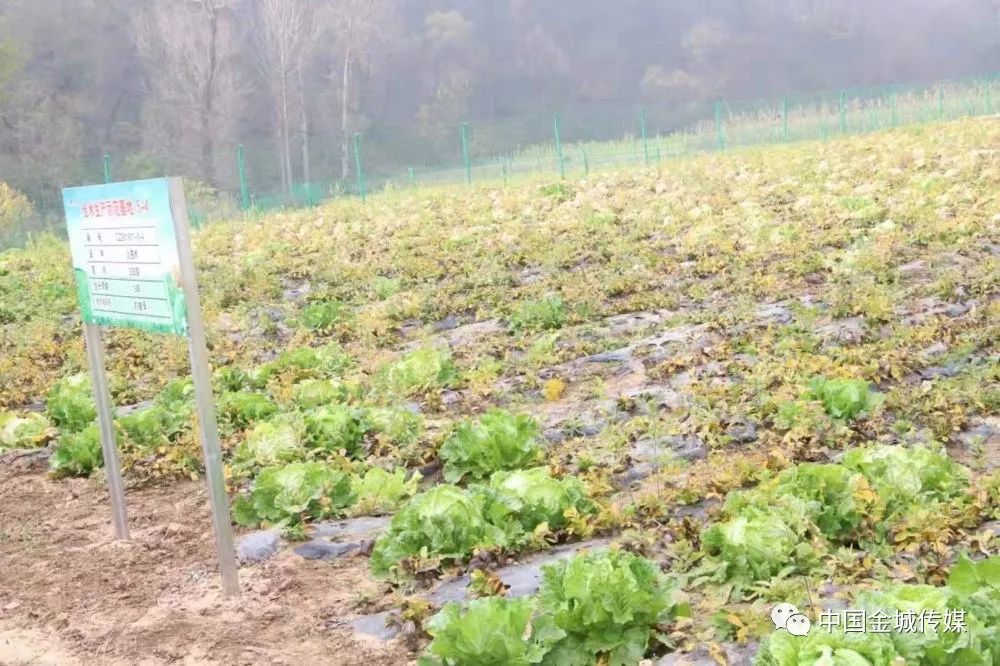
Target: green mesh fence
(574,142)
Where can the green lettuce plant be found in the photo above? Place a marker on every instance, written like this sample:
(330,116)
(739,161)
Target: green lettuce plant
(381,492)
(609,603)
(396,426)
(544,314)
(77,454)
(519,501)
(231,378)
(240,409)
(754,545)
(929,647)
(843,399)
(444,522)
(823,648)
(973,589)
(490,632)
(322,316)
(837,500)
(177,397)
(496,441)
(293,494)
(311,393)
(22,432)
(70,404)
(149,428)
(420,371)
(336,428)
(303,363)
(905,476)
(270,442)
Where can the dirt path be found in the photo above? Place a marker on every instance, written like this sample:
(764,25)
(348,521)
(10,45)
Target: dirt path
(71,594)
(20,647)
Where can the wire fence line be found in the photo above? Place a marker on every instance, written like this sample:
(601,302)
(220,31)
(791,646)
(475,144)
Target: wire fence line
(573,142)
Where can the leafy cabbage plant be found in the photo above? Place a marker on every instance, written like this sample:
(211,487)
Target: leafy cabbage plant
(311,393)
(294,493)
(608,602)
(302,363)
(449,523)
(546,313)
(976,588)
(904,476)
(930,647)
(444,522)
(240,409)
(149,428)
(973,589)
(843,399)
(521,500)
(490,632)
(420,371)
(22,432)
(396,426)
(758,543)
(381,492)
(177,397)
(270,442)
(497,441)
(322,316)
(840,502)
(77,454)
(70,404)
(336,428)
(230,378)
(823,648)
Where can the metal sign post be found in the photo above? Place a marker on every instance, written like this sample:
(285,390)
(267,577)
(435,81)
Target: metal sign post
(131,248)
(198,351)
(109,447)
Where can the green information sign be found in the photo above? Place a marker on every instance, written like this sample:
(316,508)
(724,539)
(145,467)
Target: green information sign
(131,249)
(125,255)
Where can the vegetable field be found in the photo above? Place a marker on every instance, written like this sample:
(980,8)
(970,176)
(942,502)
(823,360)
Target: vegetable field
(604,421)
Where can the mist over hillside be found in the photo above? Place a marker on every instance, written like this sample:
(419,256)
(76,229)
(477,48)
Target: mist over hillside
(171,86)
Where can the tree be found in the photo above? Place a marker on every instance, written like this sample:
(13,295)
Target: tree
(359,27)
(450,40)
(284,33)
(54,106)
(192,87)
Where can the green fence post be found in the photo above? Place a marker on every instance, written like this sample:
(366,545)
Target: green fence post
(645,142)
(244,188)
(413,178)
(586,161)
(895,115)
(843,112)
(107,168)
(657,155)
(784,119)
(989,95)
(720,137)
(559,153)
(940,101)
(465,153)
(503,170)
(357,166)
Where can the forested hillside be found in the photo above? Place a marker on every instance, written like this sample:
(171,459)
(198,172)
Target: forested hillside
(170,86)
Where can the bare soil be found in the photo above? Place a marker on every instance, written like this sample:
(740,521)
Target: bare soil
(70,593)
